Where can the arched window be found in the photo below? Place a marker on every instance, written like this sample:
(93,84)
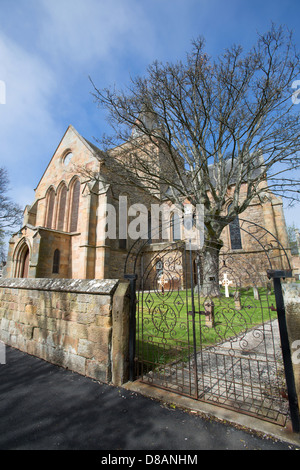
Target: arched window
(235,233)
(67,158)
(50,208)
(159,266)
(175,227)
(62,208)
(75,206)
(56,261)
(25,263)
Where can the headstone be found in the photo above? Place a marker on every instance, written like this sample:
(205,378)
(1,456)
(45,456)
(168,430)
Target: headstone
(162,282)
(237,300)
(256,293)
(269,287)
(226,283)
(209,314)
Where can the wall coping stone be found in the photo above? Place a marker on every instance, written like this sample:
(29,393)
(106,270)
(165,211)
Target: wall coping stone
(84,286)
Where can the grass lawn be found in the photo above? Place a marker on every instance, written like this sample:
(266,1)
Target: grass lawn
(166,330)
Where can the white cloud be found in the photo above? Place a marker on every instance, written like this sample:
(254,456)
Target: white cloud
(46,76)
(25,119)
(29,83)
(81,32)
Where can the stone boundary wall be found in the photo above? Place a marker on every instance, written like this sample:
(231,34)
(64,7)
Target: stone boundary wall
(69,323)
(291,295)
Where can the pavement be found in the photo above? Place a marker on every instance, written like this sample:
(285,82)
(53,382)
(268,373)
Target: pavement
(45,407)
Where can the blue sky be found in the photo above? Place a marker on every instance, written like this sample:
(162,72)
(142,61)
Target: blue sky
(48,48)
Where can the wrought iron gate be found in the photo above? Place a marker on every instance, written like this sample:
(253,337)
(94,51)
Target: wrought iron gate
(224,349)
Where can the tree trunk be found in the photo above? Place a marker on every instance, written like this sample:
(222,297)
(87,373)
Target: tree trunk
(208,269)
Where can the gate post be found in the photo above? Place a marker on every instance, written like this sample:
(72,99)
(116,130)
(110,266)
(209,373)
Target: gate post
(132,324)
(276,275)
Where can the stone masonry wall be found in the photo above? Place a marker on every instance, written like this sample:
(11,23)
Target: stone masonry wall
(65,322)
(291,294)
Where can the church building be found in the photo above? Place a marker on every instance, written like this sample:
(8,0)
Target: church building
(64,231)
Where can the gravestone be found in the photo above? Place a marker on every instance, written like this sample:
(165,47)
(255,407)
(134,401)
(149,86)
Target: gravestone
(209,314)
(225,283)
(256,293)
(162,282)
(237,300)
(269,287)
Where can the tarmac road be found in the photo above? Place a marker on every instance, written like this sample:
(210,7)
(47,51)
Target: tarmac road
(45,407)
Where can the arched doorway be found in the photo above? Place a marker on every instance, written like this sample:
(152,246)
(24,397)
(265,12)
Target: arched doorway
(21,260)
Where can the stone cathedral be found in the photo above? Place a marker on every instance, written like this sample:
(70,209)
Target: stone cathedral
(63,235)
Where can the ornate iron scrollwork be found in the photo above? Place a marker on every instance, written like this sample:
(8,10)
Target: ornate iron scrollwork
(222,347)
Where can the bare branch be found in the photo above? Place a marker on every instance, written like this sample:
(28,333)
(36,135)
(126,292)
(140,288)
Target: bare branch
(204,126)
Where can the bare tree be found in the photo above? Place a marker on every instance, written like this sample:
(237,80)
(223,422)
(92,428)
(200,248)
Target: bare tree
(10,213)
(219,123)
